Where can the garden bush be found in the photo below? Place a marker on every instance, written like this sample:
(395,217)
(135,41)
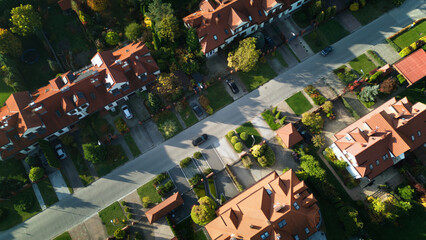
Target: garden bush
(33,161)
(354,7)
(184,163)
(197,155)
(282,120)
(94,153)
(230,134)
(195,179)
(49,153)
(405,51)
(133,31)
(169,128)
(119,234)
(159,178)
(112,38)
(243,136)
(205,212)
(269,118)
(388,85)
(313,121)
(146,201)
(246,160)
(401,79)
(369,93)
(238,147)
(36,173)
(121,125)
(129,216)
(164,189)
(234,140)
(126,209)
(264,155)
(375,77)
(207,171)
(123,203)
(274,110)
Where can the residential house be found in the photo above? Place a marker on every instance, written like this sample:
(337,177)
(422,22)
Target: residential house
(413,66)
(52,110)
(381,138)
(276,207)
(289,135)
(219,22)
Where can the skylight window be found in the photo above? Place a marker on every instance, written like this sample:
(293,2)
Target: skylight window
(296,206)
(215,37)
(268,191)
(282,223)
(250,18)
(377,162)
(226,31)
(265,235)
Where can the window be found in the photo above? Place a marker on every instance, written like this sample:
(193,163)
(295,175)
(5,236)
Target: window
(377,162)
(371,166)
(60,131)
(58,113)
(296,237)
(125,87)
(10,148)
(299,3)
(226,31)
(268,191)
(296,206)
(250,18)
(31,136)
(215,37)
(41,130)
(418,133)
(260,13)
(307,230)
(282,223)
(385,156)
(412,138)
(264,235)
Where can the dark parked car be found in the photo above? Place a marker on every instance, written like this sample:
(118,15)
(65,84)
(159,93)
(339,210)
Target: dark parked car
(326,51)
(199,140)
(232,85)
(197,109)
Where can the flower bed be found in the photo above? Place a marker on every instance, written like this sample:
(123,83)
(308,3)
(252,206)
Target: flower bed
(316,96)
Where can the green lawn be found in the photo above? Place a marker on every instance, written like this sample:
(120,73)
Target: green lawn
(148,190)
(165,116)
(415,93)
(405,39)
(47,192)
(277,55)
(212,187)
(14,216)
(326,34)
(115,158)
(250,130)
(218,96)
(362,62)
(132,145)
(13,168)
(186,230)
(258,76)
(199,190)
(372,10)
(199,235)
(80,165)
(5,92)
(63,236)
(112,212)
(298,103)
(301,18)
(188,116)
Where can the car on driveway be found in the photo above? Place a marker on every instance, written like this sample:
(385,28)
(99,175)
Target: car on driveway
(326,51)
(232,85)
(197,110)
(60,151)
(199,140)
(307,137)
(127,113)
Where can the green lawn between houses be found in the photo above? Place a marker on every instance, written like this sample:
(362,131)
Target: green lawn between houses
(218,96)
(148,190)
(132,145)
(165,116)
(115,158)
(47,192)
(258,76)
(188,116)
(298,103)
(405,39)
(112,212)
(362,62)
(326,34)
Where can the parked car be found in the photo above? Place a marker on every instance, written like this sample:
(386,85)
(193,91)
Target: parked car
(199,140)
(326,51)
(127,113)
(60,151)
(197,110)
(307,137)
(232,85)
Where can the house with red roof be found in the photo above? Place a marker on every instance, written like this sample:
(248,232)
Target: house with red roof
(381,138)
(289,135)
(219,22)
(413,66)
(52,110)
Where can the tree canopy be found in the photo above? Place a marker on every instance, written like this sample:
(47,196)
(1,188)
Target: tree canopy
(312,167)
(245,57)
(133,31)
(157,10)
(203,213)
(112,38)
(9,43)
(168,28)
(192,40)
(168,84)
(313,120)
(25,20)
(94,153)
(10,73)
(98,5)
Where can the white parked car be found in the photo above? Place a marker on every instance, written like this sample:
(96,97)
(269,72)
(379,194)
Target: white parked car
(126,111)
(60,151)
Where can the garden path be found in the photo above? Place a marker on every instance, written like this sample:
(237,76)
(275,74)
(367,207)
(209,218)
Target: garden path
(352,99)
(348,21)
(59,185)
(92,228)
(35,188)
(386,52)
(263,128)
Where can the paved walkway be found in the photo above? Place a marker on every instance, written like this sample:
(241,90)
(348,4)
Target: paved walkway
(348,21)
(334,83)
(324,89)
(92,229)
(352,99)
(386,52)
(35,188)
(298,45)
(263,128)
(59,185)
(225,151)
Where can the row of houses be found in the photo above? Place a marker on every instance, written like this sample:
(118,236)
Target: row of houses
(52,110)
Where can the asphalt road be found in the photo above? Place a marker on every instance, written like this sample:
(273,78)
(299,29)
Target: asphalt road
(88,201)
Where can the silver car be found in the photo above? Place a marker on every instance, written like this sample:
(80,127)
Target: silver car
(126,111)
(60,151)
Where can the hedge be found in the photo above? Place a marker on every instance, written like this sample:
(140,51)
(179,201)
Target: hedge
(234,178)
(164,189)
(185,162)
(159,178)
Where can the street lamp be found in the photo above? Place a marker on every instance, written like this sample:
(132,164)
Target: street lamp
(252,136)
(362,75)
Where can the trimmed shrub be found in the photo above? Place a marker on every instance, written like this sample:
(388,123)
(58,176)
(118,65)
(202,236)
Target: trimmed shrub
(246,160)
(404,52)
(184,163)
(274,110)
(388,85)
(123,203)
(36,173)
(230,134)
(238,147)
(234,140)
(146,201)
(112,38)
(197,155)
(119,233)
(277,116)
(129,216)
(164,189)
(195,179)
(401,79)
(159,178)
(49,153)
(243,136)
(354,7)
(282,120)
(126,209)
(375,77)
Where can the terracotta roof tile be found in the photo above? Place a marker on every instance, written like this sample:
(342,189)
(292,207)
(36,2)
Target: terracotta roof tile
(164,207)
(413,66)
(289,135)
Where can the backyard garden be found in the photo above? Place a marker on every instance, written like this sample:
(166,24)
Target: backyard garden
(298,103)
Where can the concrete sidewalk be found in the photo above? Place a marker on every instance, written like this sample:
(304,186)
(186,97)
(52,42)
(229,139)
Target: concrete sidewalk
(224,149)
(59,185)
(263,128)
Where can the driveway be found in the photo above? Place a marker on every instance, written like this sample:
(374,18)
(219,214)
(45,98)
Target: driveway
(242,89)
(343,119)
(348,21)
(213,158)
(59,185)
(243,174)
(225,186)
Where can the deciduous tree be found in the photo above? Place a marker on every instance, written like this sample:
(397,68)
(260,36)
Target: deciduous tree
(25,20)
(327,106)
(313,120)
(10,73)
(168,84)
(318,141)
(187,61)
(406,193)
(133,31)
(388,85)
(192,40)
(94,153)
(98,5)
(112,38)
(36,173)
(168,28)
(203,213)
(245,57)
(9,43)
(157,10)
(312,167)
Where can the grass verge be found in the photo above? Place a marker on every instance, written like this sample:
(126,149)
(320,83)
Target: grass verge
(47,192)
(188,116)
(326,34)
(63,236)
(80,165)
(298,103)
(199,190)
(115,213)
(372,10)
(251,131)
(362,62)
(258,76)
(115,157)
(218,97)
(148,190)
(212,187)
(132,145)
(165,116)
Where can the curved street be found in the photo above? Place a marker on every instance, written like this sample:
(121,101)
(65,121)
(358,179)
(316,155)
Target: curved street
(88,201)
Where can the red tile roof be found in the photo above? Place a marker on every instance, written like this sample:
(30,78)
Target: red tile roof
(289,135)
(46,107)
(217,18)
(164,207)
(393,128)
(263,206)
(413,66)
